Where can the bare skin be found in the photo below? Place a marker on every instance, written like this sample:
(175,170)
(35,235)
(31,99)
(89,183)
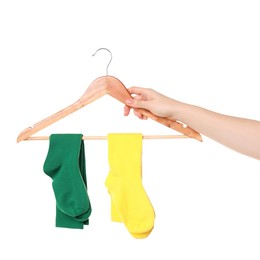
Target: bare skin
(239,134)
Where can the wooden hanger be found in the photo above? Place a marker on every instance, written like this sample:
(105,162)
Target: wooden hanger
(98,88)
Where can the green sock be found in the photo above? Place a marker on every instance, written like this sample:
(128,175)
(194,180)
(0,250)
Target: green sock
(66,221)
(65,164)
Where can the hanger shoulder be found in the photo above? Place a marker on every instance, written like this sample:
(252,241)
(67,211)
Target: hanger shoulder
(116,89)
(48,121)
(96,90)
(173,124)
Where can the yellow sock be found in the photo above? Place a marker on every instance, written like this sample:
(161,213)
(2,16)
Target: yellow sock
(129,201)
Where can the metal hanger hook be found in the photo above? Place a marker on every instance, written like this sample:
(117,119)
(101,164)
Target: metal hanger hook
(110,58)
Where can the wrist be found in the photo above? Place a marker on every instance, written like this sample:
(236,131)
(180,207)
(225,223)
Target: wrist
(177,110)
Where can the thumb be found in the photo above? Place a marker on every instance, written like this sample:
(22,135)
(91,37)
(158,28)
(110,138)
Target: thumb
(136,103)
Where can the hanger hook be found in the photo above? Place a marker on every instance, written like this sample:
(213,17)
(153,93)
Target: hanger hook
(110,58)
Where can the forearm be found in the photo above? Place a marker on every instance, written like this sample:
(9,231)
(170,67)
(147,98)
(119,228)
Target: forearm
(239,134)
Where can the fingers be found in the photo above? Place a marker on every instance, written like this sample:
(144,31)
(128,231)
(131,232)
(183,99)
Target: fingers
(126,110)
(138,101)
(140,116)
(138,97)
(135,103)
(136,90)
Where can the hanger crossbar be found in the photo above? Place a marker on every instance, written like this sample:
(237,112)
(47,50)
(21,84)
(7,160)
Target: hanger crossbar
(35,138)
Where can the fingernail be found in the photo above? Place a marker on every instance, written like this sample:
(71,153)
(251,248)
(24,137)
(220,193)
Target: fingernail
(129,101)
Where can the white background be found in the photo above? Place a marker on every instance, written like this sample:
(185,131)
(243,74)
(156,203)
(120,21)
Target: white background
(206,197)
